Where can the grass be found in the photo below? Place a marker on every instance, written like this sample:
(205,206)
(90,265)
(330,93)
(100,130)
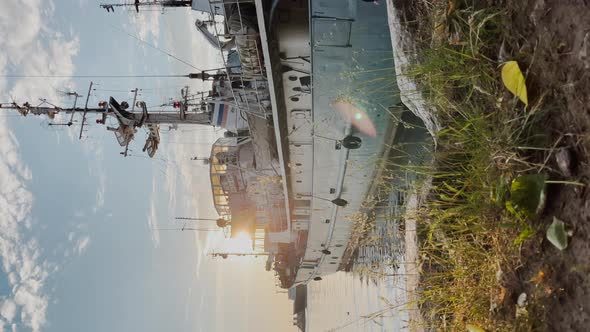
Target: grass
(469,243)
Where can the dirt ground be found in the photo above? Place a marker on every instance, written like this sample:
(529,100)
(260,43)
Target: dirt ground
(551,41)
(554,48)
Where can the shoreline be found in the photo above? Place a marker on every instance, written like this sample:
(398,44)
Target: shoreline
(403,50)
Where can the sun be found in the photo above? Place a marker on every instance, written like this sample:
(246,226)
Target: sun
(242,243)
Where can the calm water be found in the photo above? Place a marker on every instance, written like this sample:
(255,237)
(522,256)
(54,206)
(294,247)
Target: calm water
(353,302)
(372,297)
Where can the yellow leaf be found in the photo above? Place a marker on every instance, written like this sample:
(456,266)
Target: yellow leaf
(514,80)
(474,328)
(539,278)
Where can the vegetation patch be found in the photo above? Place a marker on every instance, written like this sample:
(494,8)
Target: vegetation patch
(490,174)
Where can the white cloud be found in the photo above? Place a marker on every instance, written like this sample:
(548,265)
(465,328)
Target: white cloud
(148,25)
(29,47)
(33,48)
(100,191)
(8,310)
(153,216)
(82,244)
(185,178)
(20,256)
(78,244)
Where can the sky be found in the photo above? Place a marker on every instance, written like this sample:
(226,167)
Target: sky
(79,242)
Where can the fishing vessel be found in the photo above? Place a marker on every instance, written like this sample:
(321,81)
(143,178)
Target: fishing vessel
(307,96)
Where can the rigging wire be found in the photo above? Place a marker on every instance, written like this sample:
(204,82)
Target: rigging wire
(155,47)
(92,76)
(143,90)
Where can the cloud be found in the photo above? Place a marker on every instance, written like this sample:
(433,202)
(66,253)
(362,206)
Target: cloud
(20,256)
(82,244)
(153,217)
(100,191)
(33,48)
(30,47)
(78,244)
(191,181)
(148,25)
(8,310)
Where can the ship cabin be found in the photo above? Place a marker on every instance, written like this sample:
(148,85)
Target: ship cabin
(243,194)
(228,162)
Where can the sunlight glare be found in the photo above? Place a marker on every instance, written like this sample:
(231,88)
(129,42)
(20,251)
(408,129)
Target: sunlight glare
(240,244)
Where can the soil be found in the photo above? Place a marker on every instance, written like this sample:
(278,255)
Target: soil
(554,47)
(550,39)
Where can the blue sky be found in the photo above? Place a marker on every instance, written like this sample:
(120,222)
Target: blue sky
(78,248)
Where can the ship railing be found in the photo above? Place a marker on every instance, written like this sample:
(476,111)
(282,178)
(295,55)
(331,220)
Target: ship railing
(247,48)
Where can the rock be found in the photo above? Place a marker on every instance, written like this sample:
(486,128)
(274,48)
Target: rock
(521,302)
(557,235)
(566,161)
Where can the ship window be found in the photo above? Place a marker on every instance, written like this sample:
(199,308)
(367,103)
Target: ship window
(305,80)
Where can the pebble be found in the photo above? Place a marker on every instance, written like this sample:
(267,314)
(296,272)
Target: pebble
(565,161)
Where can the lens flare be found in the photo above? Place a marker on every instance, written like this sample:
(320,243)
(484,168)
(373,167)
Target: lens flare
(357,117)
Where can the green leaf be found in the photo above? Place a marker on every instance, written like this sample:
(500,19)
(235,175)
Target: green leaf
(474,328)
(499,191)
(556,234)
(514,80)
(527,233)
(527,195)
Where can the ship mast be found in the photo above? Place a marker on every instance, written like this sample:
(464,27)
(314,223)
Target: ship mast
(128,120)
(137,4)
(225,255)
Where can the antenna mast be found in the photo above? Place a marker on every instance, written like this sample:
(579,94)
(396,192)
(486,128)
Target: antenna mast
(85,111)
(224,255)
(154,3)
